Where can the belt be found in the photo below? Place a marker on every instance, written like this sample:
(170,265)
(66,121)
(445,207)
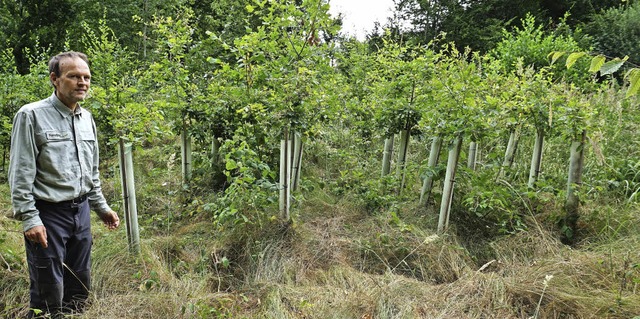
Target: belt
(72,202)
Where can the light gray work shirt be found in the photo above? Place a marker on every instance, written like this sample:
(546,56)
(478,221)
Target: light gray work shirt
(54,157)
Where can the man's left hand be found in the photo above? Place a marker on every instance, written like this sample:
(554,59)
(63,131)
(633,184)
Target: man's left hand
(111,220)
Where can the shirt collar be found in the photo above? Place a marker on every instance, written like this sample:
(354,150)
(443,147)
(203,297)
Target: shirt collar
(64,110)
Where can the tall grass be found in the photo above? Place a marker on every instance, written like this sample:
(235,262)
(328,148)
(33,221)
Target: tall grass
(353,249)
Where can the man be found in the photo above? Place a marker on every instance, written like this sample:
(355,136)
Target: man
(54,180)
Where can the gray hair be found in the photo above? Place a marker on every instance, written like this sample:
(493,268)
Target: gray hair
(54,63)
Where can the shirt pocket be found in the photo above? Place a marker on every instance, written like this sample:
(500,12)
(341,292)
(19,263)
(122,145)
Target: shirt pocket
(86,144)
(87,135)
(57,156)
(87,148)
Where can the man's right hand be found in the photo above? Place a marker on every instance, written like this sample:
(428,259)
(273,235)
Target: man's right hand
(38,235)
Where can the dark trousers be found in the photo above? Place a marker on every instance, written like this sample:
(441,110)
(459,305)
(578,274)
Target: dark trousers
(60,275)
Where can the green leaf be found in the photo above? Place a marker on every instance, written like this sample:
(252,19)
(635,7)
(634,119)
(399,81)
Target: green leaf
(231,164)
(555,56)
(612,66)
(634,82)
(596,63)
(573,57)
(250,8)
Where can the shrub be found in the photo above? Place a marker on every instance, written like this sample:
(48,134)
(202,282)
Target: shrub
(616,32)
(532,44)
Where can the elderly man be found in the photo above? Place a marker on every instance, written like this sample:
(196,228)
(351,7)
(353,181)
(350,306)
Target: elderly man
(54,180)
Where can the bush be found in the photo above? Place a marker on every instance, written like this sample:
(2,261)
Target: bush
(532,45)
(616,32)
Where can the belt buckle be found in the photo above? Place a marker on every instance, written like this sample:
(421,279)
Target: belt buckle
(77,201)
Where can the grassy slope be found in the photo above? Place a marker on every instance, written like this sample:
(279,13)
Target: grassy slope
(341,260)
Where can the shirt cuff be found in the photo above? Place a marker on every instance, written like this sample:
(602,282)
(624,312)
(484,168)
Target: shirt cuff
(103,210)
(31,222)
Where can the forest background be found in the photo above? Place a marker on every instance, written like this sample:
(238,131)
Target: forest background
(264,142)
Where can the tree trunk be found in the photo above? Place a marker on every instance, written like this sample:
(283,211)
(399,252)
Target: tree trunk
(427,184)
(386,157)
(449,181)
(402,157)
(536,159)
(574,182)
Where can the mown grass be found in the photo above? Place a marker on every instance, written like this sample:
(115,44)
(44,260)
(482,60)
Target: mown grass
(342,257)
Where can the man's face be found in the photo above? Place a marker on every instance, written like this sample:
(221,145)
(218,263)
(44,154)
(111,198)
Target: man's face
(73,83)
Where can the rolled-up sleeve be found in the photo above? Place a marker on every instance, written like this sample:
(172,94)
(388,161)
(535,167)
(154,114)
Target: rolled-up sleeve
(22,170)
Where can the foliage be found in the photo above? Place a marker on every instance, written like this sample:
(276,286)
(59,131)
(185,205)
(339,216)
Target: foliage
(28,25)
(532,44)
(577,113)
(17,90)
(226,19)
(356,70)
(399,76)
(616,31)
(116,101)
(240,88)
(276,82)
(452,100)
(478,24)
(250,185)
(276,65)
(601,66)
(175,91)
(617,170)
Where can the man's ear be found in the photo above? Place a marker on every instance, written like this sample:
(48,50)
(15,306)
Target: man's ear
(53,78)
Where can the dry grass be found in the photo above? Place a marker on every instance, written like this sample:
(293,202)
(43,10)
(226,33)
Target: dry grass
(338,260)
(348,264)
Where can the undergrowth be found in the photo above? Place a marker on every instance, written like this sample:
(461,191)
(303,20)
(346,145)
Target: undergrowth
(356,247)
